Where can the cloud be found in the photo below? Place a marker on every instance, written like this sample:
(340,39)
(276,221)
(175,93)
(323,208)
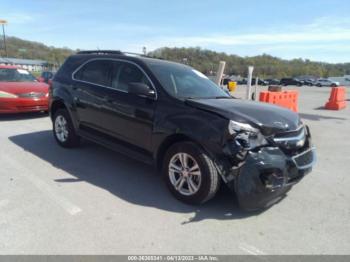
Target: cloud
(255,39)
(19,18)
(323,36)
(321,30)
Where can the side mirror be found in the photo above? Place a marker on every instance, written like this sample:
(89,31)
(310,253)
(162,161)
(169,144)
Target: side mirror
(141,89)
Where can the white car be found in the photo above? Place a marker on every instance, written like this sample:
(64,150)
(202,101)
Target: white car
(326,82)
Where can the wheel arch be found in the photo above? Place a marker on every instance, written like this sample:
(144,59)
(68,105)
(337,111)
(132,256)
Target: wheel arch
(170,141)
(57,104)
(61,104)
(166,144)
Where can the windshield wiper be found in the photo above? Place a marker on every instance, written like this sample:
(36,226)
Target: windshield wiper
(209,97)
(219,97)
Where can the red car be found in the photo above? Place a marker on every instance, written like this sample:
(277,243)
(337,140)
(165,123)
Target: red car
(21,92)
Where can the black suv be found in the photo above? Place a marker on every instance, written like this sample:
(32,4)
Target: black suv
(291,82)
(171,115)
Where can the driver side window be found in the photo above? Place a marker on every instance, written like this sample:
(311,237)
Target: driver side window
(125,73)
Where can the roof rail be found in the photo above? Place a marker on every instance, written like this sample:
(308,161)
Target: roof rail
(113,52)
(134,54)
(142,55)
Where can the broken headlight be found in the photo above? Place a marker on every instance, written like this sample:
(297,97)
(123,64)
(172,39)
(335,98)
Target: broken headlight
(245,135)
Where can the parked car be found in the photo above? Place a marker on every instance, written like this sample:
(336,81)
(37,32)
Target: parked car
(173,116)
(226,80)
(291,82)
(46,76)
(261,82)
(20,91)
(272,81)
(308,82)
(243,81)
(326,82)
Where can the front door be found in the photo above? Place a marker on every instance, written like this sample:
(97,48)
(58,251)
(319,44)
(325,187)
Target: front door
(128,117)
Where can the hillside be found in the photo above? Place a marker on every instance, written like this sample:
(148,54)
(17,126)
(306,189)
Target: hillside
(20,48)
(201,59)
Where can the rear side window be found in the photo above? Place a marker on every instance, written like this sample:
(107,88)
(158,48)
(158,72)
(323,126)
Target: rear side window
(96,72)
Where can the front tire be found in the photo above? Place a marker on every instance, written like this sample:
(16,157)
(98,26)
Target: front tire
(63,129)
(190,173)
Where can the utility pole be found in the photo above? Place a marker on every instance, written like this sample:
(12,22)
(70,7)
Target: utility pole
(220,72)
(249,83)
(3,23)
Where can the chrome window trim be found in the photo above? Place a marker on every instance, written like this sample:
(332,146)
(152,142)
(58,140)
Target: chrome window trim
(109,87)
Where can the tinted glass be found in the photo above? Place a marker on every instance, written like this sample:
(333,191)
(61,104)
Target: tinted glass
(185,82)
(96,72)
(125,73)
(15,75)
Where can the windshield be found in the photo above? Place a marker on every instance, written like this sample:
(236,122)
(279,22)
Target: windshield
(15,75)
(185,82)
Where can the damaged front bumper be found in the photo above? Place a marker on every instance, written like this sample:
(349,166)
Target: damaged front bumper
(261,176)
(268,174)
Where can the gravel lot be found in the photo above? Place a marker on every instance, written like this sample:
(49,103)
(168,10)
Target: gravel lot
(93,201)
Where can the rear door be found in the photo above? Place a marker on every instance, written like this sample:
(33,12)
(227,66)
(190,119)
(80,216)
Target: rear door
(90,82)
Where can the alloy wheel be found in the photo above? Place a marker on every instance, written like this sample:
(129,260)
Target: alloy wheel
(61,128)
(184,174)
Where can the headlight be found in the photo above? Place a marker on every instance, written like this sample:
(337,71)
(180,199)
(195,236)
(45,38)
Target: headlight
(4,94)
(246,135)
(237,127)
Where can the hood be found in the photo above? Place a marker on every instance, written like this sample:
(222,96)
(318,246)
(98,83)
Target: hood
(268,118)
(24,87)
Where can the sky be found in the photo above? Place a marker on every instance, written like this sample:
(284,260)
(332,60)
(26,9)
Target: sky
(318,30)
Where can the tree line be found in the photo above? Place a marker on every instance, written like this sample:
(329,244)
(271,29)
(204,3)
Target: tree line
(265,66)
(206,61)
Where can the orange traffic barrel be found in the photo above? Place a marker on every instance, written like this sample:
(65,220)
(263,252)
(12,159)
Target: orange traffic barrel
(337,99)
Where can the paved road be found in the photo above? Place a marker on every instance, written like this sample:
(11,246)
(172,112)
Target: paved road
(93,201)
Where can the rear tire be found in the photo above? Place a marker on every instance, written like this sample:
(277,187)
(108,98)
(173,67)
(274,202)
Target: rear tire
(63,129)
(190,173)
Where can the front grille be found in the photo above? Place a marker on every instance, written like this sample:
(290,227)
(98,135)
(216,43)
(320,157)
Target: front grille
(291,142)
(305,160)
(31,95)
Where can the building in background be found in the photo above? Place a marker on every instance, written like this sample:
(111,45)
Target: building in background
(29,64)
